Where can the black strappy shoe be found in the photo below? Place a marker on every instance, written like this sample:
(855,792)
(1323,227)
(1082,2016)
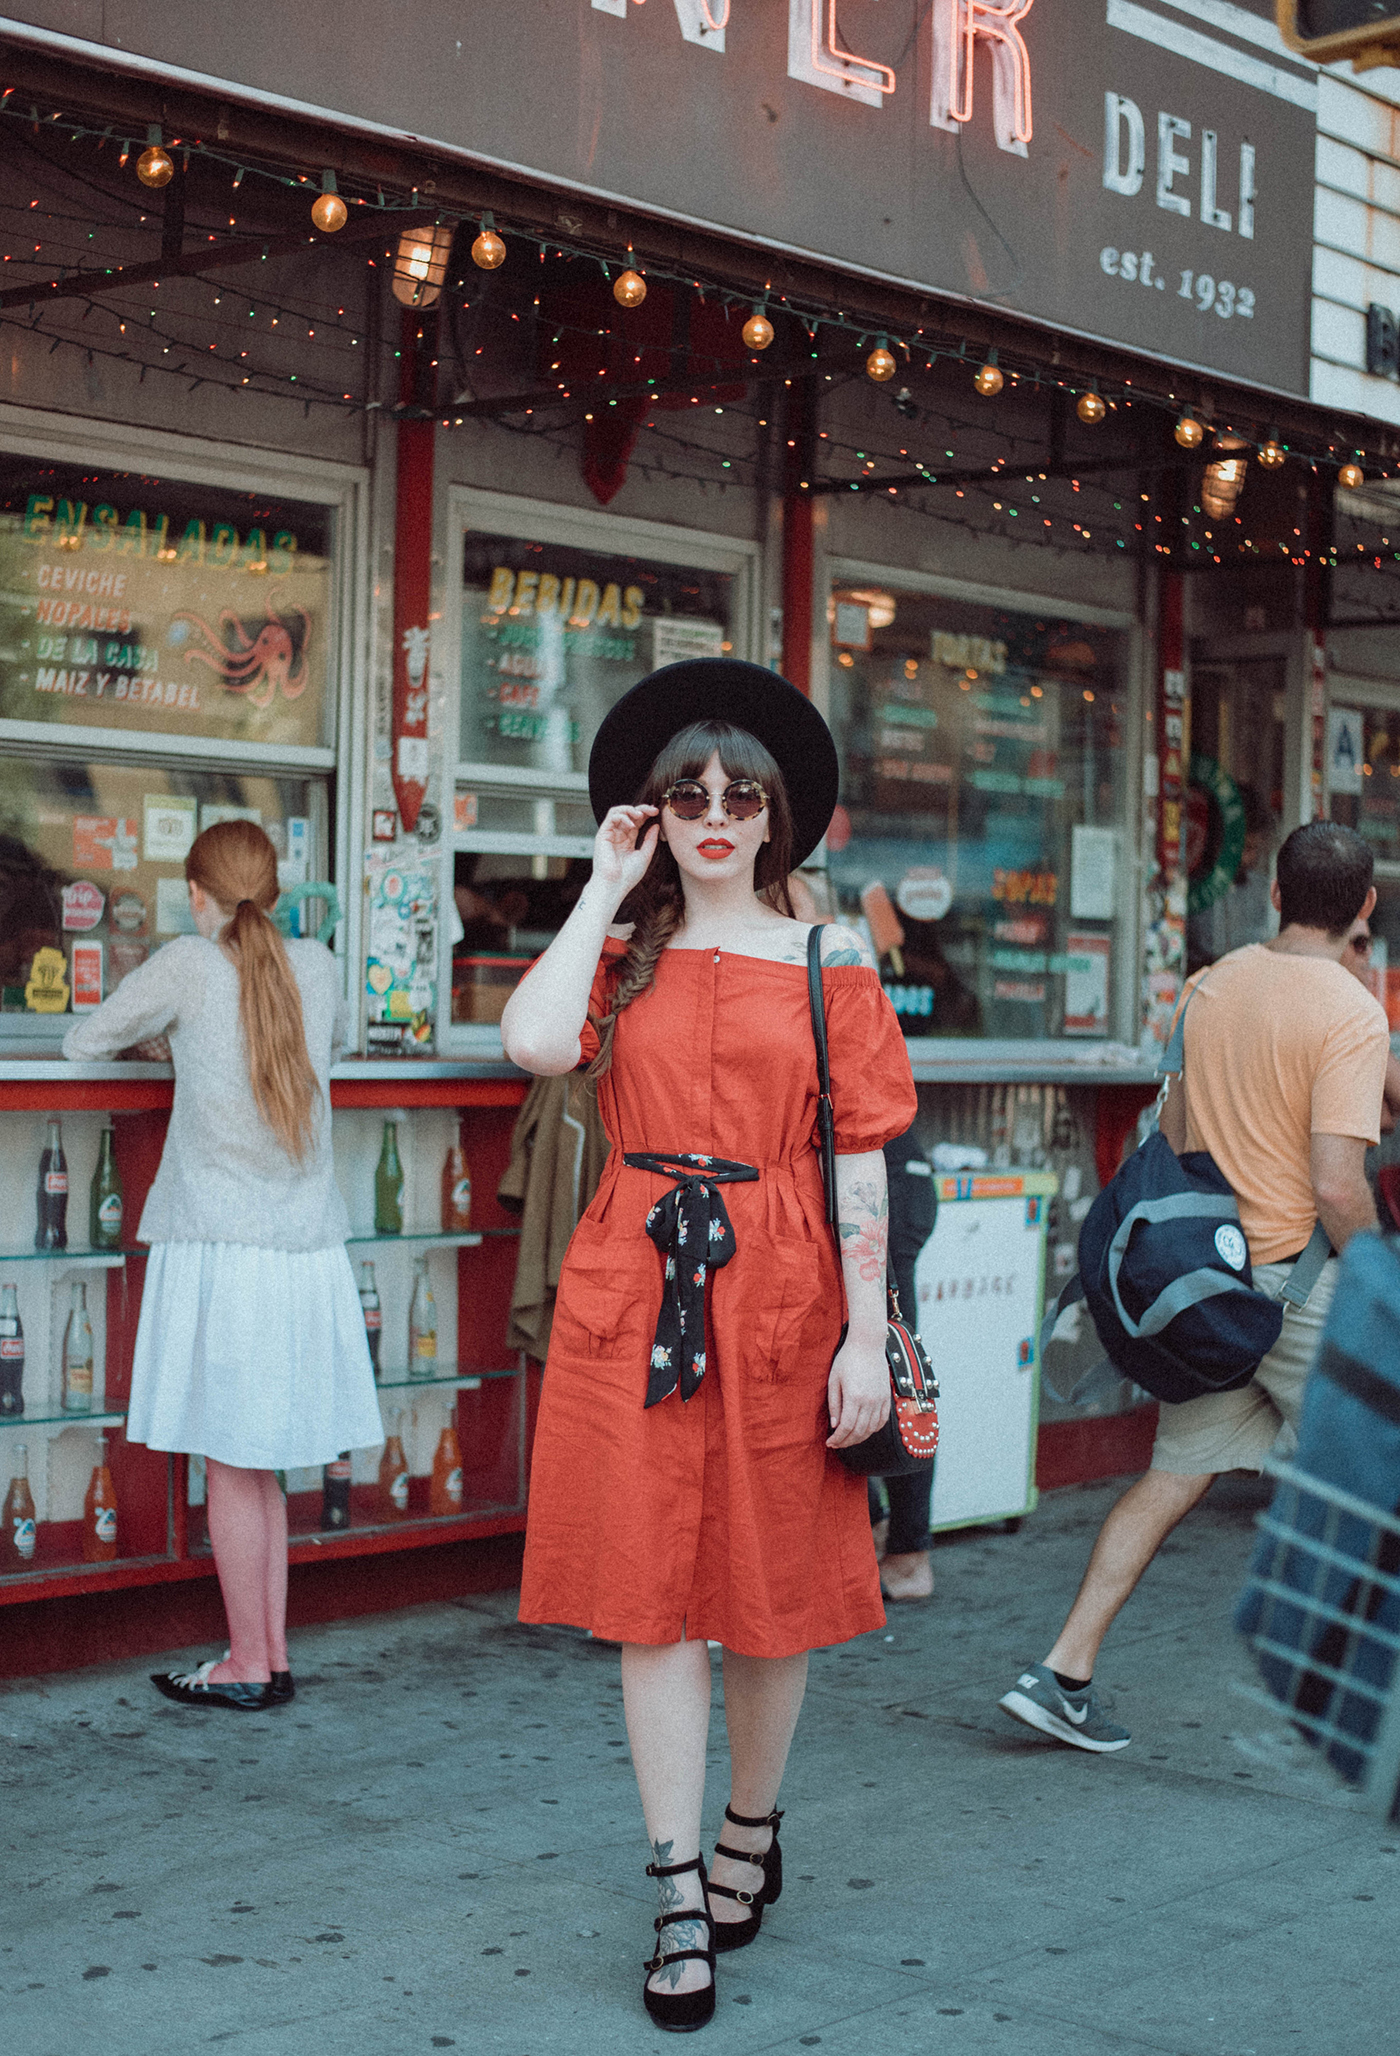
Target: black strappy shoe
(735,1934)
(681,2012)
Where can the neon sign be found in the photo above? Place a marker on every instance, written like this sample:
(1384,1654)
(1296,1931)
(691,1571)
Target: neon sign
(818,57)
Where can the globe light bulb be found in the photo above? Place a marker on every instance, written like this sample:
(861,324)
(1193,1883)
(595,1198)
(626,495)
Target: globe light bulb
(1271,453)
(1352,477)
(880,364)
(155,166)
(1189,432)
(989,381)
(758,330)
(329,211)
(629,288)
(489,250)
(1090,408)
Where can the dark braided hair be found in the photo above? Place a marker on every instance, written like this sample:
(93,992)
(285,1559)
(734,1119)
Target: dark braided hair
(657,905)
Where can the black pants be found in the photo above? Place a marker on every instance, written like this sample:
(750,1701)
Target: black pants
(913,1210)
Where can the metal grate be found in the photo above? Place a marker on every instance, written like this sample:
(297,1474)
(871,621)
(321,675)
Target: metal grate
(1323,1600)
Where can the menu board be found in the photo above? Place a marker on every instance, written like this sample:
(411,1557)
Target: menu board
(148,604)
(553,636)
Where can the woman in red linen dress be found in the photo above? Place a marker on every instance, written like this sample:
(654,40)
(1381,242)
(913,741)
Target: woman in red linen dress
(685,1485)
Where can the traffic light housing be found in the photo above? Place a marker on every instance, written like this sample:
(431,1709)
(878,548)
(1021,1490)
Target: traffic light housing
(1366,31)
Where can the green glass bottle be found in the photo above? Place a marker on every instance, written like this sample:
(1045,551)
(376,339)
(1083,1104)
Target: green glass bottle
(105,1205)
(388,1185)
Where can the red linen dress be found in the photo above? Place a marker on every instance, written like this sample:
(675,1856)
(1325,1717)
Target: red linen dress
(723,1516)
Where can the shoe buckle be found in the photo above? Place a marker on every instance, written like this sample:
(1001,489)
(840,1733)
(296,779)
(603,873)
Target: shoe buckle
(744,1898)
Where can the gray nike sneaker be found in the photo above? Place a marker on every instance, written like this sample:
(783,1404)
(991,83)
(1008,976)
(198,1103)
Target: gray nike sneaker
(1074,1717)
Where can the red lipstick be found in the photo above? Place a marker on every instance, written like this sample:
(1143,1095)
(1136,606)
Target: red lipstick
(714,847)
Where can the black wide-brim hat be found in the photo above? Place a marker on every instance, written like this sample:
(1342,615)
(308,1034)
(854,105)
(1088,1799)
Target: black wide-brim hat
(635,731)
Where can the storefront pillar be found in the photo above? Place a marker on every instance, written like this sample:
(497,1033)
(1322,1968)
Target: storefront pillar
(413,554)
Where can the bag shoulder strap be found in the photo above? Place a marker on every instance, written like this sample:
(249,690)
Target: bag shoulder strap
(826,1119)
(1308,1269)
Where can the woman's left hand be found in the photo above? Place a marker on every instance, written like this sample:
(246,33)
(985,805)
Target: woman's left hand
(857,1392)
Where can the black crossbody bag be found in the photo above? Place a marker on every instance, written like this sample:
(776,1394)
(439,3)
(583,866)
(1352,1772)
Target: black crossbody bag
(909,1438)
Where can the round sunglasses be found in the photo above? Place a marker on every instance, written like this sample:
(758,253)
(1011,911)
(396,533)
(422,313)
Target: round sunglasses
(743,799)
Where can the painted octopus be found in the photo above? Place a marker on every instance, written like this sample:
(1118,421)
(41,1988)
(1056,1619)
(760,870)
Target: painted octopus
(258,665)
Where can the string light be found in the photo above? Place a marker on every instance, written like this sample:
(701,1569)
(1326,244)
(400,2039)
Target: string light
(1352,477)
(880,364)
(155,166)
(329,212)
(1091,409)
(488,250)
(758,330)
(1189,432)
(989,380)
(1272,451)
(629,288)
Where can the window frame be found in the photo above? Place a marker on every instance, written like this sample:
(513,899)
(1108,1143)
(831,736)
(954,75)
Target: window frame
(1000,1058)
(342,488)
(475,508)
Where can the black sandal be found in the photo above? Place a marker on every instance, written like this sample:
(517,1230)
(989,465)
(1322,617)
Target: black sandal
(682,2012)
(736,1934)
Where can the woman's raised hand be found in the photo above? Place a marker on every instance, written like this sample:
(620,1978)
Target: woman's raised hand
(619,862)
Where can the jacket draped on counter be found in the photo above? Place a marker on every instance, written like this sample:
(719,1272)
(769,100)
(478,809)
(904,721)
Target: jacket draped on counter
(557,1154)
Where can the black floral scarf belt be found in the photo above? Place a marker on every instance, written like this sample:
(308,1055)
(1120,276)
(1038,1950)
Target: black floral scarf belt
(692,1229)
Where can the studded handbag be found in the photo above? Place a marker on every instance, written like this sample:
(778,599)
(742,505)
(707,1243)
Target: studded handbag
(909,1438)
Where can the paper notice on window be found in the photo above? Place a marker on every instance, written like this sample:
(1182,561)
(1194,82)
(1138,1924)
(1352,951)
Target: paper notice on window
(1093,875)
(169,829)
(1086,984)
(1346,749)
(674,639)
(173,916)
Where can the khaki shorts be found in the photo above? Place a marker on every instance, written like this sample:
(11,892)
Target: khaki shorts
(1234,1431)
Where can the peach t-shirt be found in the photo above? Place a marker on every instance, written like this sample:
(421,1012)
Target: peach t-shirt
(1278,1049)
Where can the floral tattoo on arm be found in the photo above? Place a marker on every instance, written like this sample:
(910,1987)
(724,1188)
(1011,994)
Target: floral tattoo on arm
(865,1230)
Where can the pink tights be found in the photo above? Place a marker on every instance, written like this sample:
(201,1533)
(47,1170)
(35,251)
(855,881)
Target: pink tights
(248,1531)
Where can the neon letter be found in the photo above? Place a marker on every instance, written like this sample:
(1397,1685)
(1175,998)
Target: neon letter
(957,25)
(816,56)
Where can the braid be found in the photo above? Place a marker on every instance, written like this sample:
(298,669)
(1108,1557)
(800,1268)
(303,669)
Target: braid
(656,924)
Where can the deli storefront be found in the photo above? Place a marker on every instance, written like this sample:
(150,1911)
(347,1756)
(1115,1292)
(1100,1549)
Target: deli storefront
(346,481)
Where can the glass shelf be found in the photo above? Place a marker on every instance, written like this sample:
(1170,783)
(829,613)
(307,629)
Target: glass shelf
(469,1380)
(428,1237)
(104,1419)
(89,1259)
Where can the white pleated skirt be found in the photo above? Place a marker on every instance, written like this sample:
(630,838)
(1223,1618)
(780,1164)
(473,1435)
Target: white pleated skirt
(255,1357)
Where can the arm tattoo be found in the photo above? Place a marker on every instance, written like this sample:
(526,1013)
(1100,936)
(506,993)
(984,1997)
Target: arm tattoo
(681,1934)
(865,1230)
(845,946)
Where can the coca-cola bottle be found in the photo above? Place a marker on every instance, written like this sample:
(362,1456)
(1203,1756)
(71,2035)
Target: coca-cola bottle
(11,1354)
(335,1492)
(17,1531)
(373,1311)
(445,1491)
(100,1514)
(52,1229)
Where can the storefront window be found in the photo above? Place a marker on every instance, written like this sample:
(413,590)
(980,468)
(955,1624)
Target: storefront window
(978,839)
(151,605)
(92,873)
(1234,803)
(552,636)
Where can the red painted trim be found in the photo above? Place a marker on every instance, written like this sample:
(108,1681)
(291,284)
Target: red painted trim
(798,548)
(86,1095)
(1080,1452)
(427,1092)
(156,1095)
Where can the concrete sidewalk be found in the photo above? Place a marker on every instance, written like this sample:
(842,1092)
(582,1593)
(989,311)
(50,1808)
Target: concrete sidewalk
(439,1845)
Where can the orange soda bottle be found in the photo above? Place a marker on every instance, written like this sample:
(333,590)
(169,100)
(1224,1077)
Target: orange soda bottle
(393,1477)
(100,1514)
(445,1492)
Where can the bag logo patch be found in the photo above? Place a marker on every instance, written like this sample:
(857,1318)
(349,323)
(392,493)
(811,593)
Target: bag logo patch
(1231,1246)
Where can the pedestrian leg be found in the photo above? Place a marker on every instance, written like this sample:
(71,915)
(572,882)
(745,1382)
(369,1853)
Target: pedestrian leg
(666,1699)
(238,1534)
(1135,1530)
(762,1699)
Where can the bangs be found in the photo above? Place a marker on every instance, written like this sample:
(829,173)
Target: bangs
(741,755)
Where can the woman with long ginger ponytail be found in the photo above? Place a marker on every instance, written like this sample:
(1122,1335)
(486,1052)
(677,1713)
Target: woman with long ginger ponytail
(251,1348)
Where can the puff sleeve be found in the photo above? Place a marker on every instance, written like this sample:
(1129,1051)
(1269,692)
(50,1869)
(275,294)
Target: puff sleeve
(872,1086)
(600,997)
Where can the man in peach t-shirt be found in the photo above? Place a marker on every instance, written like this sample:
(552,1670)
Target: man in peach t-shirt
(1284,1070)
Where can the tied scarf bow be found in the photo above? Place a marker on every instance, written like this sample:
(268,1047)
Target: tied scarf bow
(690,1225)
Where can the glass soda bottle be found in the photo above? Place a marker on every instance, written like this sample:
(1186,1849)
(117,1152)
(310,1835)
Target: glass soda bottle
(374,1313)
(17,1531)
(11,1355)
(52,1229)
(100,1514)
(105,1204)
(388,1185)
(456,1190)
(422,1325)
(335,1492)
(393,1476)
(445,1491)
(77,1356)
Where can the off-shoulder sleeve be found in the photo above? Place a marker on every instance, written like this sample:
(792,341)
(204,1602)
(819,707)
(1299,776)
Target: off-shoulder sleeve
(872,1086)
(600,997)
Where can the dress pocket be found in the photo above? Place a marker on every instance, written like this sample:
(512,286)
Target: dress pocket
(788,1298)
(609,1294)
